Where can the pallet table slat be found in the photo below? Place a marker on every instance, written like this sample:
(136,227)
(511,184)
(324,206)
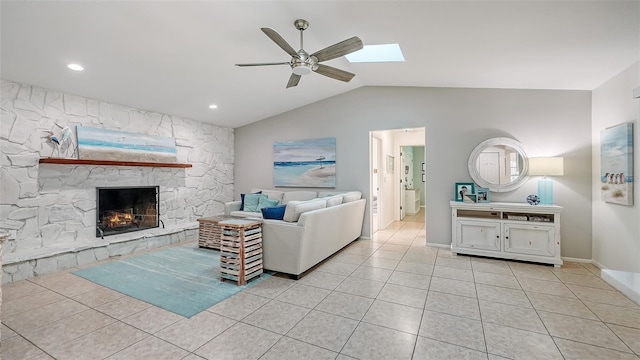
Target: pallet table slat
(209,231)
(240,249)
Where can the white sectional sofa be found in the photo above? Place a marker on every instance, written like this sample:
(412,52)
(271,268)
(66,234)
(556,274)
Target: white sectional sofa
(315,226)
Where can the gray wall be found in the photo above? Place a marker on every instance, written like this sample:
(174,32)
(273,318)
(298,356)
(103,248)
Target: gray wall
(547,122)
(616,230)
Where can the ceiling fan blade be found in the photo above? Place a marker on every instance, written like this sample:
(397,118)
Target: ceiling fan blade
(284,45)
(334,73)
(293,80)
(336,50)
(263,64)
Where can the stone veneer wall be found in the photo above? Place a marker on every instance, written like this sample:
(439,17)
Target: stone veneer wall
(48,208)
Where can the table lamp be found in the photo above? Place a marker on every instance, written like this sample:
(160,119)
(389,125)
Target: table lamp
(546,166)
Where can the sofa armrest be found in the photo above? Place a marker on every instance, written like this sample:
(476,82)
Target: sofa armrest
(232,206)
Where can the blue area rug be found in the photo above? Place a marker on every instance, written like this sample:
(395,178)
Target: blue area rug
(184,279)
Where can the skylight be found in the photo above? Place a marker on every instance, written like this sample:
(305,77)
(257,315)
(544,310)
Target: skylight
(377,53)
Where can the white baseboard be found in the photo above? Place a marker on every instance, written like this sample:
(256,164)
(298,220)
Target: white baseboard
(598,264)
(578,260)
(364,238)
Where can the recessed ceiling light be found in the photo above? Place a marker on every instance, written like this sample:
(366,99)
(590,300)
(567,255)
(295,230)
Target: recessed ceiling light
(75,67)
(377,53)
(212,106)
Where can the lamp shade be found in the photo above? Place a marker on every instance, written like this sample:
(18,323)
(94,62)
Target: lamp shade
(546,166)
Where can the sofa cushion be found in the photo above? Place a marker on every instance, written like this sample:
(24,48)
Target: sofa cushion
(351,196)
(273,212)
(266,202)
(252,201)
(322,194)
(272,194)
(245,214)
(295,208)
(333,200)
(242,199)
(298,196)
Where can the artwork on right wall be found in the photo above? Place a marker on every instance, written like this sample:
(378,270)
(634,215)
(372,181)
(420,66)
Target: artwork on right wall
(616,164)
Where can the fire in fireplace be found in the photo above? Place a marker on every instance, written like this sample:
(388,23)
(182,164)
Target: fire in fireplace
(125,209)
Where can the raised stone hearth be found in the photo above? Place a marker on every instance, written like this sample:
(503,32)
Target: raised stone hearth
(27,264)
(49,210)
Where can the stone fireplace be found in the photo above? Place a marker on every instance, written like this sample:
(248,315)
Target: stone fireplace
(126,209)
(50,210)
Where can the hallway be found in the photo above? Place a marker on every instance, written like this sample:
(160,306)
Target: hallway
(418,217)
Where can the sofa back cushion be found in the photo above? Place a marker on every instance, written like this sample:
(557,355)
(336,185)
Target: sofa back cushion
(351,196)
(333,200)
(300,195)
(273,212)
(272,194)
(295,208)
(322,194)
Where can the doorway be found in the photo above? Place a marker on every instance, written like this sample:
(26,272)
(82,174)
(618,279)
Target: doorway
(412,184)
(391,167)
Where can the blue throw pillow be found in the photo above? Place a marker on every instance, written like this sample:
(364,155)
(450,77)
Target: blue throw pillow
(274,212)
(251,202)
(242,199)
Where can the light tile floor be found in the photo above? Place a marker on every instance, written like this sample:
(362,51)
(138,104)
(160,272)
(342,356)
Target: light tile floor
(386,298)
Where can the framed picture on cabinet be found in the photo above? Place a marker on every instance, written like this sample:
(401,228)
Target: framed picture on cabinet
(462,189)
(470,198)
(483,195)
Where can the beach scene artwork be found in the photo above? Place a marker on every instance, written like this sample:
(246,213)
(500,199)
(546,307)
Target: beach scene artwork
(616,164)
(116,145)
(305,163)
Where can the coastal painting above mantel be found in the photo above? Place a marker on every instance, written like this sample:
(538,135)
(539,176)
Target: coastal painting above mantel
(305,163)
(106,144)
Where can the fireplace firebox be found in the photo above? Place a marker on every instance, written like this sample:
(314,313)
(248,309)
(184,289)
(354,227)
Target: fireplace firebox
(126,209)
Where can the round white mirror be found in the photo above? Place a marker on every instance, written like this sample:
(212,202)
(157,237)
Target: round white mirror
(499,164)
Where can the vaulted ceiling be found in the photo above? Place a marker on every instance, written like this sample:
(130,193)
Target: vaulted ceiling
(177,57)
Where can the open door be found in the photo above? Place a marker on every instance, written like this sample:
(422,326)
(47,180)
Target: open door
(403,187)
(376,182)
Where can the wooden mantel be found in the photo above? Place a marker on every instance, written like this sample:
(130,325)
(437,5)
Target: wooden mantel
(110,163)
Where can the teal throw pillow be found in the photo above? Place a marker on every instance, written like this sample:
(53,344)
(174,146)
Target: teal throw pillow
(266,202)
(242,199)
(251,202)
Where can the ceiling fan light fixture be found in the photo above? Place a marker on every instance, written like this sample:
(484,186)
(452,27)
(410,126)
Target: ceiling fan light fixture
(301,69)
(303,63)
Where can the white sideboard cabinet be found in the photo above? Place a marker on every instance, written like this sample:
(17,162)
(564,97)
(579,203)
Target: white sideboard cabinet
(515,231)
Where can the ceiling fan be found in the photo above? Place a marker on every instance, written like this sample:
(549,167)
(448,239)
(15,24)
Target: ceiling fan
(302,63)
